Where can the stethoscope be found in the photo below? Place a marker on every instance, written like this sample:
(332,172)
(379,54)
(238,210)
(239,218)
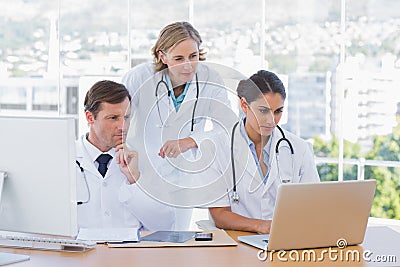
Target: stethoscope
(235,195)
(164,83)
(87,185)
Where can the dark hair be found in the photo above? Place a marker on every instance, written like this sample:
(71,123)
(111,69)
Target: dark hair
(105,91)
(260,83)
(170,36)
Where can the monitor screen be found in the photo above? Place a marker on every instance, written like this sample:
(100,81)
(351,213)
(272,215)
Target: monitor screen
(39,192)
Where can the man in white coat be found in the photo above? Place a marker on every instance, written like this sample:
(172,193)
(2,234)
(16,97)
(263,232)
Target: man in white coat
(108,194)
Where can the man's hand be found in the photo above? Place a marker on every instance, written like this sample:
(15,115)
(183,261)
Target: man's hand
(128,163)
(173,148)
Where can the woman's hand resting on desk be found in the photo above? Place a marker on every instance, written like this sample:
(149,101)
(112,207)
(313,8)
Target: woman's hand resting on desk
(128,163)
(173,148)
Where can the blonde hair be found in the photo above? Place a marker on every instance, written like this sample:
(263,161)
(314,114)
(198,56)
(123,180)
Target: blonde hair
(172,35)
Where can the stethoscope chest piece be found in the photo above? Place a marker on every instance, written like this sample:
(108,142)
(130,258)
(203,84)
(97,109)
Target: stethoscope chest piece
(235,197)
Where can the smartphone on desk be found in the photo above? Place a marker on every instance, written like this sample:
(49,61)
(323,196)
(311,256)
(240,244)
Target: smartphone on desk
(200,236)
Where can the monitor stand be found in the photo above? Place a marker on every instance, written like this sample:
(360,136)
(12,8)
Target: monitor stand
(8,258)
(3,175)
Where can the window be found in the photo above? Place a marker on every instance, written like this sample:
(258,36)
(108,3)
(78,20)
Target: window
(340,64)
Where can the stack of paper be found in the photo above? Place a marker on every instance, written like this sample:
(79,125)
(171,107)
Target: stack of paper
(105,235)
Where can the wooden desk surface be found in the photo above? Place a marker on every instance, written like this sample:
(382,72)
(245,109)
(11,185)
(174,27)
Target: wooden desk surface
(378,241)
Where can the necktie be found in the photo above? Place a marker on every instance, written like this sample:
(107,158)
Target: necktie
(103,160)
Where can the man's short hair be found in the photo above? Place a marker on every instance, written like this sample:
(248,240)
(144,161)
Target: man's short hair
(105,91)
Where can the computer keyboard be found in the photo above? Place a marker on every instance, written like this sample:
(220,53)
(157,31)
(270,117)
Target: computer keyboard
(44,243)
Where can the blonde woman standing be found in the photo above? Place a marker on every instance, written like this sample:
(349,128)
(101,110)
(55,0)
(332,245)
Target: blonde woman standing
(172,99)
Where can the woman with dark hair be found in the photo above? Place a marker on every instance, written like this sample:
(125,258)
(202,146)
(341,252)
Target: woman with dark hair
(262,156)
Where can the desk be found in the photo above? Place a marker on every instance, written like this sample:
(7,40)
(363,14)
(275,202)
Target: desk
(241,255)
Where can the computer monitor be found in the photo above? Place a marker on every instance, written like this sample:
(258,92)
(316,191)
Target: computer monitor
(39,192)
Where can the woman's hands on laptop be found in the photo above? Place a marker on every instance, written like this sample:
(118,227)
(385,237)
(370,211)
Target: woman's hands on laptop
(264,226)
(224,218)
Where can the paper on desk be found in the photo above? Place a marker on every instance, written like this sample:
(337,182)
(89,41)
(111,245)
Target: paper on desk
(220,238)
(102,235)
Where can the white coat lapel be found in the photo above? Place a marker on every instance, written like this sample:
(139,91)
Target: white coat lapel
(186,108)
(164,100)
(112,169)
(89,167)
(83,158)
(273,175)
(244,162)
(159,108)
(203,76)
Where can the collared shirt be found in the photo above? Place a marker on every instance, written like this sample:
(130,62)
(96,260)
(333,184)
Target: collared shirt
(94,152)
(252,147)
(176,100)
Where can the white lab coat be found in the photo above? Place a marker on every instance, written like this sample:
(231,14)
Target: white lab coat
(113,201)
(256,199)
(148,132)
(146,124)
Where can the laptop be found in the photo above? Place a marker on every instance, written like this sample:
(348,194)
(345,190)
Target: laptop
(313,215)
